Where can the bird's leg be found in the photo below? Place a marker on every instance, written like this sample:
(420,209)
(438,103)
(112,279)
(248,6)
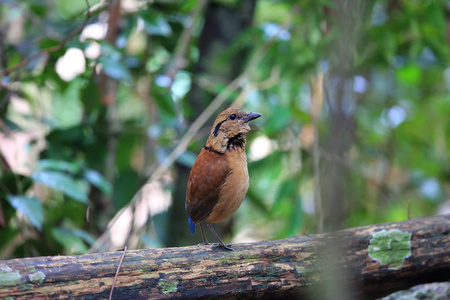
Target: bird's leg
(205,241)
(220,244)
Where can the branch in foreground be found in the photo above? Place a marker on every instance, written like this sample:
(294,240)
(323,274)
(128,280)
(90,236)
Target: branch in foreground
(377,260)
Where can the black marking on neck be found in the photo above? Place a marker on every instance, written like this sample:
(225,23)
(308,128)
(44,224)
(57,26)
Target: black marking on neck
(213,151)
(237,141)
(216,129)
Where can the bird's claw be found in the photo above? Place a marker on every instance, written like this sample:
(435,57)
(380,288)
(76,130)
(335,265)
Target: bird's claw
(224,246)
(227,246)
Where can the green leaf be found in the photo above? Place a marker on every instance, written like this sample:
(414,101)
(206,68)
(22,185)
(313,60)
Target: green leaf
(71,242)
(160,57)
(70,9)
(67,108)
(30,207)
(38,9)
(410,74)
(8,235)
(115,69)
(97,180)
(90,96)
(62,183)
(14,184)
(125,187)
(48,42)
(155,24)
(279,121)
(57,165)
(164,101)
(181,85)
(84,235)
(295,217)
(285,193)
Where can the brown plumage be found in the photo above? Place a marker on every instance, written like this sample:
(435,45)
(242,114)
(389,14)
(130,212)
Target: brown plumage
(218,180)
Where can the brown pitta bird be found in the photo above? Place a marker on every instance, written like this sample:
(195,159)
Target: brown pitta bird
(218,180)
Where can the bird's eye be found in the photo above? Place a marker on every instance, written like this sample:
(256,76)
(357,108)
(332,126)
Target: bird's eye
(232,117)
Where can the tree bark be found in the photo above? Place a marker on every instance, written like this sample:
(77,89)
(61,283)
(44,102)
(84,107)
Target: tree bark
(378,260)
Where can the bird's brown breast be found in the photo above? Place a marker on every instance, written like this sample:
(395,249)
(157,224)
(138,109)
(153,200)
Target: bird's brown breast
(233,190)
(217,185)
(208,174)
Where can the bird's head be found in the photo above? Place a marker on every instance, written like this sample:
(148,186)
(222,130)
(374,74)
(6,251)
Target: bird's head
(229,129)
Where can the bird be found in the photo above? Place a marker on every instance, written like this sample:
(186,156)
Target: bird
(218,181)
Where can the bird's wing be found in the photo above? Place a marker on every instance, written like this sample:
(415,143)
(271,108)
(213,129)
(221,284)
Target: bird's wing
(208,173)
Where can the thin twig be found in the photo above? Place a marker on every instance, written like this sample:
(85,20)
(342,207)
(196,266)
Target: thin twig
(117,272)
(109,89)
(48,50)
(409,210)
(316,107)
(328,98)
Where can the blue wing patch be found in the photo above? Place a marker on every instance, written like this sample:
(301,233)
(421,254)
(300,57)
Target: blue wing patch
(191,225)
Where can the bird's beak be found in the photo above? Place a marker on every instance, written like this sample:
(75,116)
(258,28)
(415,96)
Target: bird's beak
(251,116)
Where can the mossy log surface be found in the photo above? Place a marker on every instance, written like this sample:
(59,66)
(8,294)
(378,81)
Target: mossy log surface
(376,260)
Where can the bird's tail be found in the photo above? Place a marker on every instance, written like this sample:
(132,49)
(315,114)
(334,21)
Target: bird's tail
(191,225)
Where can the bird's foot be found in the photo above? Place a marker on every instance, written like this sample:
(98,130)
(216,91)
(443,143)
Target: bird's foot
(227,246)
(219,245)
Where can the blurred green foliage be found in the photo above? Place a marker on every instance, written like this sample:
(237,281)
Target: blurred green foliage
(70,160)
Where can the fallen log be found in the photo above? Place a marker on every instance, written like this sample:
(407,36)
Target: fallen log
(375,260)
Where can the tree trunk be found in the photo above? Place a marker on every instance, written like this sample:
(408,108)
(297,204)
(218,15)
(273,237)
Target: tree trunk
(336,187)
(378,260)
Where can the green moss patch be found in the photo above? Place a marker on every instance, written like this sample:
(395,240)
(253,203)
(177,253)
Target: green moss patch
(168,286)
(8,277)
(37,277)
(390,247)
